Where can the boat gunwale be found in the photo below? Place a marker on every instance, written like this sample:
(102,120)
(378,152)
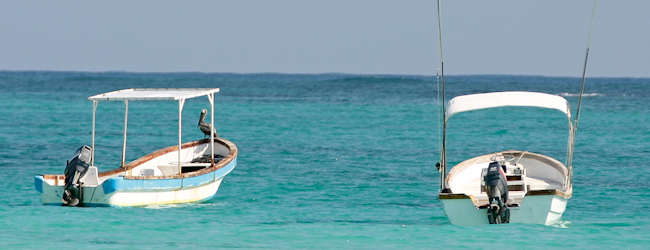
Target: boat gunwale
(232,154)
(556,192)
(550,161)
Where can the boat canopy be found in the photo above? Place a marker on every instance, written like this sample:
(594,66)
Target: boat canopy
(153,94)
(471,102)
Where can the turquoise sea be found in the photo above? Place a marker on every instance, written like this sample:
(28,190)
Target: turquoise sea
(328,161)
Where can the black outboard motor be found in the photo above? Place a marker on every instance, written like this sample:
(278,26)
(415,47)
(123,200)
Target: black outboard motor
(76,168)
(496,187)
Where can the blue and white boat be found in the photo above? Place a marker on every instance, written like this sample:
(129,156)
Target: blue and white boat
(183,173)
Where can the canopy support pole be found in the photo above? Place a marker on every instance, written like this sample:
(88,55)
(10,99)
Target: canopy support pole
(181,102)
(126,122)
(211,100)
(92,156)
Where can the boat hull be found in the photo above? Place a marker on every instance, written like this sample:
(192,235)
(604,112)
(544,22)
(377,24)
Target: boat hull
(538,191)
(545,209)
(118,189)
(141,193)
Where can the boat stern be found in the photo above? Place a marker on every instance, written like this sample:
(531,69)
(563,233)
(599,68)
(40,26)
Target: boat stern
(544,208)
(51,188)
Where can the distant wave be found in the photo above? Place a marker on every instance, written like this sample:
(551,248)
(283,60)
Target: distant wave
(577,94)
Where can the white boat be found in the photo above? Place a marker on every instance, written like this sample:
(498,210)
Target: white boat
(513,186)
(166,176)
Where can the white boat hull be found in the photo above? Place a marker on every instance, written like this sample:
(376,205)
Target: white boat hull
(535,209)
(537,190)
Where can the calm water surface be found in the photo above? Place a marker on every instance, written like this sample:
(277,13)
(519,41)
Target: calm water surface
(326,161)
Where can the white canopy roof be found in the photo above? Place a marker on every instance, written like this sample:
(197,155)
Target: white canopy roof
(465,103)
(153,94)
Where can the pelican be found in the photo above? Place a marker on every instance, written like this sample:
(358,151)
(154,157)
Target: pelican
(206,127)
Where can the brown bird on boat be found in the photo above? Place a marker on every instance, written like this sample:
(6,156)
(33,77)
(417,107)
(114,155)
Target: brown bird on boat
(206,127)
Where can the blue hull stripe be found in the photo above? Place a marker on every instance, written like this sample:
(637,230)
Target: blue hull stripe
(121,184)
(38,182)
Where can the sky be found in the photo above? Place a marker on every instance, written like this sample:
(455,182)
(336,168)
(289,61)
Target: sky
(546,38)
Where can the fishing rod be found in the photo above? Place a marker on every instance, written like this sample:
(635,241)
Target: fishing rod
(584,69)
(443,148)
(582,90)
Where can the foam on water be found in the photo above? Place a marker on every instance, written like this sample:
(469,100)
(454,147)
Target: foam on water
(578,94)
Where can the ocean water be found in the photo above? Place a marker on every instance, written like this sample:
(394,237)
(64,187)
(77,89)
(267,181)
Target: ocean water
(326,161)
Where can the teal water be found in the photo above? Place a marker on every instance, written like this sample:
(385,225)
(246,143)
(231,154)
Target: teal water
(326,161)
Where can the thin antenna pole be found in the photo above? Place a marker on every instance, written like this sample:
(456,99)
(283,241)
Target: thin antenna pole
(443,146)
(582,90)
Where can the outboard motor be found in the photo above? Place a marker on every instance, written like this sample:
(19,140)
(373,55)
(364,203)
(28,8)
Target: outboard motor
(76,168)
(496,187)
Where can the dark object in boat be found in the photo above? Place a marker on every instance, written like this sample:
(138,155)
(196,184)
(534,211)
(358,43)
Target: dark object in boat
(496,187)
(76,168)
(206,159)
(206,127)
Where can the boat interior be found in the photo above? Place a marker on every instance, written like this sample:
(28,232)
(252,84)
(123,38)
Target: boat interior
(194,157)
(525,172)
